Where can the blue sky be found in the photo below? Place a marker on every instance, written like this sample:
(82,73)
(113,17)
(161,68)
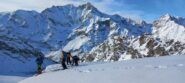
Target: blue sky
(147,10)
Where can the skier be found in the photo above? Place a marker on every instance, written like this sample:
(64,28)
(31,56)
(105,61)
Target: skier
(69,58)
(75,60)
(39,62)
(63,59)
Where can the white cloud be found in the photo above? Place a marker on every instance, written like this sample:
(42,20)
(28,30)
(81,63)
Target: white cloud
(107,6)
(123,9)
(38,5)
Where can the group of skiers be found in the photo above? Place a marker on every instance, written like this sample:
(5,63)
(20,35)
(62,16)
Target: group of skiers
(66,57)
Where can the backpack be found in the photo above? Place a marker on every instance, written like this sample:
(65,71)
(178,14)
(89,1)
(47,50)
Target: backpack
(76,58)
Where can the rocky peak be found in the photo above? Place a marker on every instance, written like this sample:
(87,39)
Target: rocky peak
(88,6)
(168,28)
(166,17)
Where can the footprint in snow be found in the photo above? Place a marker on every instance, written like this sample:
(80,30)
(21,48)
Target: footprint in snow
(180,65)
(99,69)
(156,67)
(126,68)
(85,71)
(160,67)
(148,66)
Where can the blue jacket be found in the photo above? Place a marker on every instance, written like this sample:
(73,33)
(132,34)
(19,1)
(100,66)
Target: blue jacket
(64,56)
(39,60)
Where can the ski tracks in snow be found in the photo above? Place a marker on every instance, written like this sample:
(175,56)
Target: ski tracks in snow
(90,67)
(88,70)
(163,66)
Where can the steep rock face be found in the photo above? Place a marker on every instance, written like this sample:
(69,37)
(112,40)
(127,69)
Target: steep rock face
(123,48)
(91,27)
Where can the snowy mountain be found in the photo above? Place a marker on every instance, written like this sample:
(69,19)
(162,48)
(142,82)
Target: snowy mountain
(169,28)
(87,32)
(91,28)
(166,38)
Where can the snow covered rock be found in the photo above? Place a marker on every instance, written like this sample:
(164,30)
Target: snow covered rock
(169,28)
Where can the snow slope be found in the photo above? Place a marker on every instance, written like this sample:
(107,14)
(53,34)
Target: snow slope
(168,69)
(11,79)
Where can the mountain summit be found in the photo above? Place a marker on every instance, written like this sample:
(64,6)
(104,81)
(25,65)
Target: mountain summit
(169,28)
